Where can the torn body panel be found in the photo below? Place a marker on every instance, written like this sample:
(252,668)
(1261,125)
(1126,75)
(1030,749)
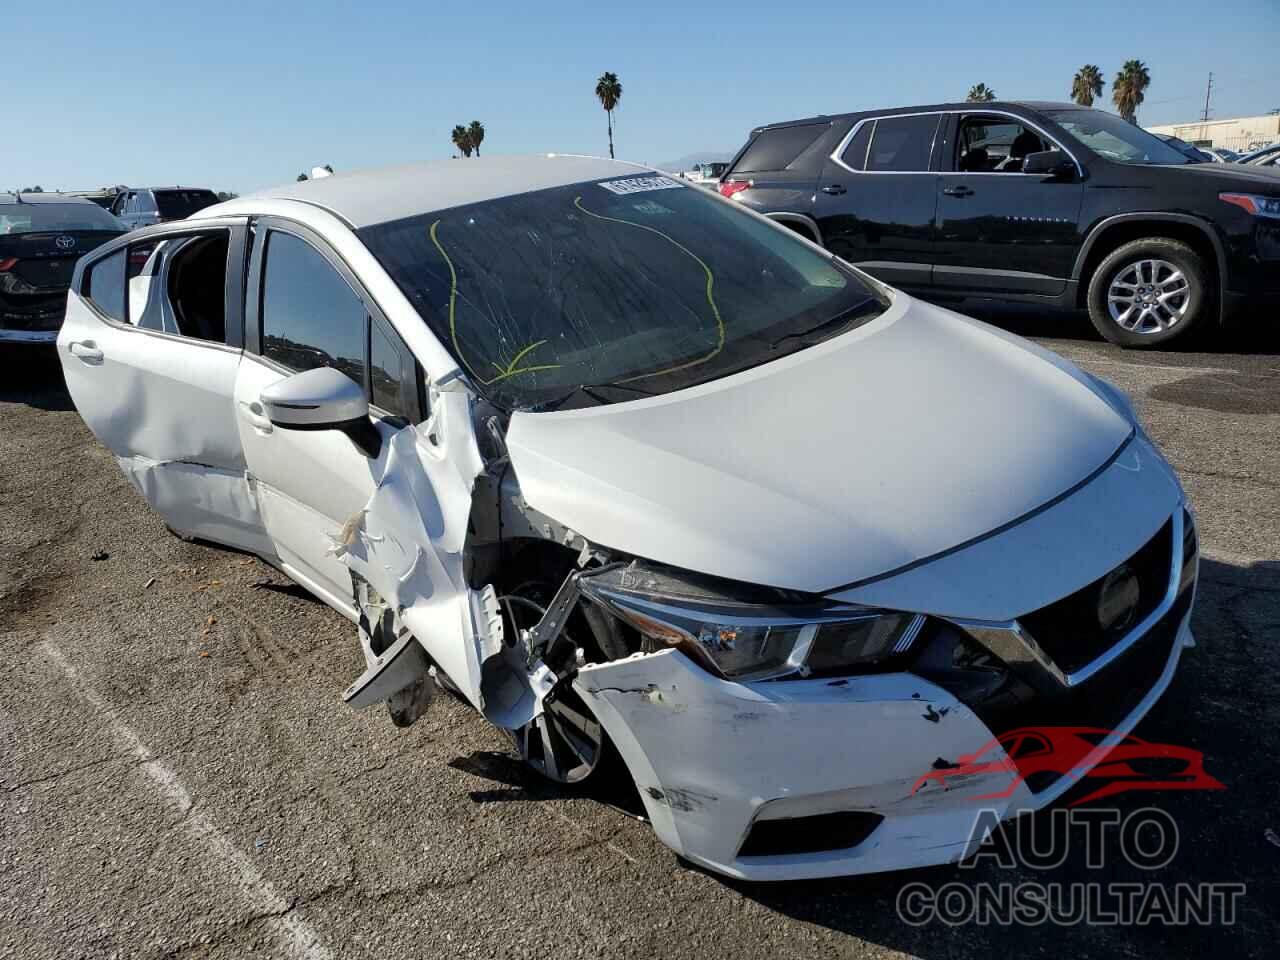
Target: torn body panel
(198,500)
(713,758)
(408,543)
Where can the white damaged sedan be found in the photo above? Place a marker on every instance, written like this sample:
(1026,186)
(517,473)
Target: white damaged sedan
(653,483)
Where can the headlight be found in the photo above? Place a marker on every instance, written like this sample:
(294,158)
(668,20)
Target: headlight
(1254,204)
(744,637)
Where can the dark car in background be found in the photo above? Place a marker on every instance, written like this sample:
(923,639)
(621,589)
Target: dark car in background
(1192,153)
(147,206)
(1035,202)
(42,235)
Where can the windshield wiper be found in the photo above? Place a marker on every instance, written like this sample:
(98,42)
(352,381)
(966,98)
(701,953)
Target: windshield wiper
(592,390)
(843,317)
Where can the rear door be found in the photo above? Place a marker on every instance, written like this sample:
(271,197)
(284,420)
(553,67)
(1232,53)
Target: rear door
(149,350)
(999,230)
(877,197)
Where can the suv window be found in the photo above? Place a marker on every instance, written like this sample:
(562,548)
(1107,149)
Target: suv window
(310,315)
(104,285)
(902,144)
(774,149)
(180,204)
(178,285)
(995,145)
(855,154)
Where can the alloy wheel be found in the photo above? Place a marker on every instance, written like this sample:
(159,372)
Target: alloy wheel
(1148,296)
(565,743)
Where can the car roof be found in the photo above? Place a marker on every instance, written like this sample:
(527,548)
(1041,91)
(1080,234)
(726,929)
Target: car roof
(367,197)
(933,108)
(8,196)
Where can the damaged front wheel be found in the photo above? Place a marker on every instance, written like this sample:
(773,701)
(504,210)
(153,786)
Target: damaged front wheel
(565,742)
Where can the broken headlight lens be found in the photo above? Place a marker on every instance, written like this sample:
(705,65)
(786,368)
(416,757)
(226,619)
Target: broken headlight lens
(752,638)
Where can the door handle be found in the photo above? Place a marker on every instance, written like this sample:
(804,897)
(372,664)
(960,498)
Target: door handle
(254,416)
(834,189)
(958,191)
(87,351)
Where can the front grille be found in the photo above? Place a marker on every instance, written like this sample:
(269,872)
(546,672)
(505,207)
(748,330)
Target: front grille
(1106,698)
(1068,630)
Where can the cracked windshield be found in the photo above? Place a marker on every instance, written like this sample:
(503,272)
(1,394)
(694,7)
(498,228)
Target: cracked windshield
(607,290)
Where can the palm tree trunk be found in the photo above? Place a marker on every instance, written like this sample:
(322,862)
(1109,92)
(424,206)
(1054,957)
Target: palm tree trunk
(609,113)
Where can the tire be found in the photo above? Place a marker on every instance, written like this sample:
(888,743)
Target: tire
(566,744)
(1170,273)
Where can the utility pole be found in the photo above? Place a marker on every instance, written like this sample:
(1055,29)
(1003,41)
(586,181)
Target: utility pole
(1207,90)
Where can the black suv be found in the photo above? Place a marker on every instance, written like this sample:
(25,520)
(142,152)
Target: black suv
(1040,202)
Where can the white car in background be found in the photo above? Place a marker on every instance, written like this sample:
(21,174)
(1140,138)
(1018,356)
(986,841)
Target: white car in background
(649,480)
(706,174)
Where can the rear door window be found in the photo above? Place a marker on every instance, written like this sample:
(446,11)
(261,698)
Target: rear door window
(775,149)
(104,285)
(902,144)
(178,284)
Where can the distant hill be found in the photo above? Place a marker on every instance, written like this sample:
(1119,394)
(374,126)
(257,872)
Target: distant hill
(689,159)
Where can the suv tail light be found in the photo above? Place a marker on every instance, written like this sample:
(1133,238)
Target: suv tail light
(6,263)
(729,187)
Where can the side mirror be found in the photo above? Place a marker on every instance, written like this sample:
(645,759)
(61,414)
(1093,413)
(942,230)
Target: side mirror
(323,399)
(1051,163)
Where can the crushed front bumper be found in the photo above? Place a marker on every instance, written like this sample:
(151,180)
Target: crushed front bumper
(715,759)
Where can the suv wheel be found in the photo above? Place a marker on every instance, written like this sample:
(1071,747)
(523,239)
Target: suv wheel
(1148,292)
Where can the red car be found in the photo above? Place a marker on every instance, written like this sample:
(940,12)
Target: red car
(1131,764)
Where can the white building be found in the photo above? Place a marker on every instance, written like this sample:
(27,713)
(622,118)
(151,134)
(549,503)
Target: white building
(1241,134)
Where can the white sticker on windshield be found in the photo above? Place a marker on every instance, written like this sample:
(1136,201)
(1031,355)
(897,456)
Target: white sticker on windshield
(639,185)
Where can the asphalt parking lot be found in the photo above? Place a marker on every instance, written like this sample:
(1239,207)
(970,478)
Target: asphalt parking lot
(178,776)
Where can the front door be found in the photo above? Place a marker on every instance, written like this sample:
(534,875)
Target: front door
(1002,231)
(311,483)
(149,350)
(876,201)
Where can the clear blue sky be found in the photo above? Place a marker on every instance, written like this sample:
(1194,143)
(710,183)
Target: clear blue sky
(239,96)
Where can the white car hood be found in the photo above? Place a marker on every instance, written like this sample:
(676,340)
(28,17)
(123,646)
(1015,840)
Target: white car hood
(904,438)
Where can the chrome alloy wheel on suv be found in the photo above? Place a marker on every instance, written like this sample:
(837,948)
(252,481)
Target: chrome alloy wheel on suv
(1148,291)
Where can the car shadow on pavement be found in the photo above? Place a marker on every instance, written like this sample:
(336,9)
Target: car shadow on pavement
(1221,702)
(32,375)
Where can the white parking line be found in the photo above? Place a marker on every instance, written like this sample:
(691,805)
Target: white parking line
(292,933)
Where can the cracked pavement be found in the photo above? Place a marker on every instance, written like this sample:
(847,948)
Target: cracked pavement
(178,776)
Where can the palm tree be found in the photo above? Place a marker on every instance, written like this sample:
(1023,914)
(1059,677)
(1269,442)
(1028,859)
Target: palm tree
(980,93)
(609,90)
(1127,89)
(462,140)
(475,130)
(1087,85)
